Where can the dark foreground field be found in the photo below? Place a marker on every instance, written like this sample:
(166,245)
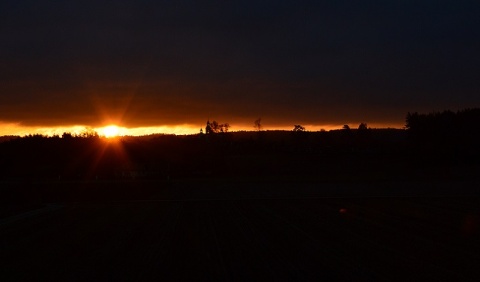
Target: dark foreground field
(251,230)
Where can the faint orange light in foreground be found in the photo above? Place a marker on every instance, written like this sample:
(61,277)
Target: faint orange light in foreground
(111,131)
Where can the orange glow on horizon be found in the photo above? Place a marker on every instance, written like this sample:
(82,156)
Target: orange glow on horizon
(113,130)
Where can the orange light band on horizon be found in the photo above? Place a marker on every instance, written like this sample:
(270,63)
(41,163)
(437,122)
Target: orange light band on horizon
(112,130)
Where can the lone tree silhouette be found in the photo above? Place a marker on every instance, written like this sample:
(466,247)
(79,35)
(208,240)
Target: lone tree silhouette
(258,124)
(362,126)
(298,128)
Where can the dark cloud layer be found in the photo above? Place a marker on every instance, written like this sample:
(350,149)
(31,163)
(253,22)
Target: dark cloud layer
(170,62)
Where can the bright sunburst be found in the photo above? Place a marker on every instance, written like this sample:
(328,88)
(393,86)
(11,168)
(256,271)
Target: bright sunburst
(111,131)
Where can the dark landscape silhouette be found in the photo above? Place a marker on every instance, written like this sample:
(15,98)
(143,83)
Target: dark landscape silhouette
(246,185)
(347,204)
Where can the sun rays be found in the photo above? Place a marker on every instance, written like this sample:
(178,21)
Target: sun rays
(111,131)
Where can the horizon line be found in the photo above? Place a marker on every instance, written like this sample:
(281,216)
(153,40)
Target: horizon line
(185,129)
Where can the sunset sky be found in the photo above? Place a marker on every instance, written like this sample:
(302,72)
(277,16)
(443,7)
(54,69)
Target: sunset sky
(168,66)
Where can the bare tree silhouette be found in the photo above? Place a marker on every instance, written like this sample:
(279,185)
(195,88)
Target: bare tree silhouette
(258,124)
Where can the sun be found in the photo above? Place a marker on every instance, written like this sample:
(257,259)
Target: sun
(111,131)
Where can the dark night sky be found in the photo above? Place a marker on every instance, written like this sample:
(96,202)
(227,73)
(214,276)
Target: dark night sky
(148,63)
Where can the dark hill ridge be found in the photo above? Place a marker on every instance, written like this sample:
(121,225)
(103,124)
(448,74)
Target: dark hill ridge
(156,157)
(38,169)
(335,155)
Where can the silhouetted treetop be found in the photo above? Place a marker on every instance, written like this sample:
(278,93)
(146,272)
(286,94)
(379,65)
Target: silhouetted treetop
(298,128)
(215,127)
(362,126)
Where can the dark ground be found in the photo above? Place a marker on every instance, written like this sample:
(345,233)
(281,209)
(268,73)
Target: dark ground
(245,230)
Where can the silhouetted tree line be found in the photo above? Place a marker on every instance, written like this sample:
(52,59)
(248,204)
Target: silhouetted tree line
(89,157)
(169,156)
(215,127)
(446,134)
(466,121)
